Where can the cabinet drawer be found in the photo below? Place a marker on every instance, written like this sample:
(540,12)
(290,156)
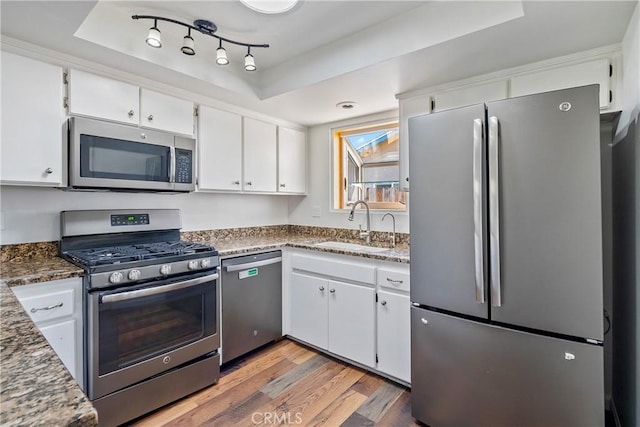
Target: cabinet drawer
(351,271)
(49,306)
(393,279)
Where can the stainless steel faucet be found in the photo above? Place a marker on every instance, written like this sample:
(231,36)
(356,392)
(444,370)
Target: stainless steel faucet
(363,234)
(392,237)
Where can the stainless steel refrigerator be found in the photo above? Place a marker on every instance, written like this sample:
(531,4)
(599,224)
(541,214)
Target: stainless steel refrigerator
(506,263)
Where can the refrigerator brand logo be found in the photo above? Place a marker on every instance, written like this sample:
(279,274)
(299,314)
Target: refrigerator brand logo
(569,356)
(565,106)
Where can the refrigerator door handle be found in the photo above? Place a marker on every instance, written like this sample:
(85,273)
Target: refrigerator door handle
(478,223)
(494,210)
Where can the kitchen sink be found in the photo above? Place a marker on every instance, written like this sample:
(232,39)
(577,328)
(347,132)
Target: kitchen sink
(350,247)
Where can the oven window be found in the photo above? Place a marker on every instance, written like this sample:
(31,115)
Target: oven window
(133,330)
(118,159)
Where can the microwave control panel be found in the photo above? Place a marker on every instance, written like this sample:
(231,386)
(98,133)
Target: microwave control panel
(184,166)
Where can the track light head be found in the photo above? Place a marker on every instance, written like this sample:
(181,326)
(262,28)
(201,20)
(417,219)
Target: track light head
(221,55)
(187,45)
(153,39)
(249,61)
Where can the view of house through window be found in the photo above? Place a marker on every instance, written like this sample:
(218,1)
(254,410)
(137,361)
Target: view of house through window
(366,167)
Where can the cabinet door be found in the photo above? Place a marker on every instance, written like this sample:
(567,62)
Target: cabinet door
(409,107)
(164,112)
(292,161)
(220,150)
(470,95)
(309,309)
(584,74)
(394,335)
(351,322)
(31,138)
(62,338)
(259,156)
(96,96)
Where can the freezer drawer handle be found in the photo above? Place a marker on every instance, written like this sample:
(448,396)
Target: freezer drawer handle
(494,210)
(478,223)
(238,267)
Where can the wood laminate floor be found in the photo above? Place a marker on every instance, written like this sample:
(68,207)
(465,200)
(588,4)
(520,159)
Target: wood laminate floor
(289,384)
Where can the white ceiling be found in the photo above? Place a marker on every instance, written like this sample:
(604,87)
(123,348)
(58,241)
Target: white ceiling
(322,52)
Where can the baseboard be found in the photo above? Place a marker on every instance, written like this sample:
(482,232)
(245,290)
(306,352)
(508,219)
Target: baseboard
(616,418)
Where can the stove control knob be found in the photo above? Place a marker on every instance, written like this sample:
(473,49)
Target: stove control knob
(193,265)
(116,277)
(205,263)
(134,275)
(165,269)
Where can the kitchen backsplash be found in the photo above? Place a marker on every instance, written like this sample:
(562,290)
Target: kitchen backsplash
(24,251)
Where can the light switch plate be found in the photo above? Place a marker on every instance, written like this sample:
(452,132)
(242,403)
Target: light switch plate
(315,211)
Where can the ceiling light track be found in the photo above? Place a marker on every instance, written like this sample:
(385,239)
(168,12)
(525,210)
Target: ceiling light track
(205,27)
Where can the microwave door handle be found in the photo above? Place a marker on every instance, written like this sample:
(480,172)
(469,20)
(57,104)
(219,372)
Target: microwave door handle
(141,293)
(172,164)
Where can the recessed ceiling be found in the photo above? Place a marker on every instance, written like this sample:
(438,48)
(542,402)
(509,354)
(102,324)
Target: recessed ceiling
(322,52)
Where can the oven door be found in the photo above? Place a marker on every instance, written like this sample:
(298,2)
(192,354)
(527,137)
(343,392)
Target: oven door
(136,333)
(108,155)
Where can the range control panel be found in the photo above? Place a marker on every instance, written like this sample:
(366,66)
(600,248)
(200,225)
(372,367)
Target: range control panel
(133,219)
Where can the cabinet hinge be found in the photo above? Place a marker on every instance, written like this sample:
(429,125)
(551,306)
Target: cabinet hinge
(610,96)
(65,78)
(433,104)
(65,102)
(195,111)
(376,297)
(376,357)
(610,70)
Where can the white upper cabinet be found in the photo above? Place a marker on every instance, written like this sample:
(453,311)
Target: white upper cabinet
(33,121)
(164,112)
(586,73)
(96,96)
(409,107)
(470,95)
(101,97)
(260,158)
(219,150)
(292,161)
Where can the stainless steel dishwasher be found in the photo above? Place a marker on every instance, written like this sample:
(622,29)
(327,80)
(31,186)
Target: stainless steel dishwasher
(251,303)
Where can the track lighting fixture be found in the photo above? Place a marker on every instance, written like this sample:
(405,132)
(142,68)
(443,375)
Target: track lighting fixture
(205,27)
(187,45)
(153,39)
(221,55)
(249,62)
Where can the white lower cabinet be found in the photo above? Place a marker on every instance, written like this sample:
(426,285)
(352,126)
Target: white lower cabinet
(394,335)
(56,309)
(332,305)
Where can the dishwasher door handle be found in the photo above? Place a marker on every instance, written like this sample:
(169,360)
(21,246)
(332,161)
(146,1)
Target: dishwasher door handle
(244,266)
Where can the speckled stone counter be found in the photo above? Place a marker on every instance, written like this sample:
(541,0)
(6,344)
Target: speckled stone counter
(19,271)
(36,388)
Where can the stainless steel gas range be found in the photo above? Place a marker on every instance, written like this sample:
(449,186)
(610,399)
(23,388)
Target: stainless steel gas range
(151,303)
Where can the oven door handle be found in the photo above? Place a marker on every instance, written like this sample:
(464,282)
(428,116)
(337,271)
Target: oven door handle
(141,293)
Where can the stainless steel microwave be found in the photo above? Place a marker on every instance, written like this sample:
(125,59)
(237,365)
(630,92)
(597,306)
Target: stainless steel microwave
(104,155)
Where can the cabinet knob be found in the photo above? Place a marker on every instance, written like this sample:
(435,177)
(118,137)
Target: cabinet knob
(49,171)
(248,182)
(130,113)
(236,182)
(383,302)
(333,291)
(150,118)
(282,185)
(321,288)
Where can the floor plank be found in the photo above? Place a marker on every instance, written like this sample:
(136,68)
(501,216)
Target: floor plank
(288,383)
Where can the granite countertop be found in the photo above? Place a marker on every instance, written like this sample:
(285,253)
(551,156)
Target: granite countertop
(36,387)
(35,270)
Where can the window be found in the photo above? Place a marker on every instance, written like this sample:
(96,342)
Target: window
(366,167)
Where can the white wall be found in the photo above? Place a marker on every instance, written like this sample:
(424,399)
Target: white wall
(32,214)
(301,209)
